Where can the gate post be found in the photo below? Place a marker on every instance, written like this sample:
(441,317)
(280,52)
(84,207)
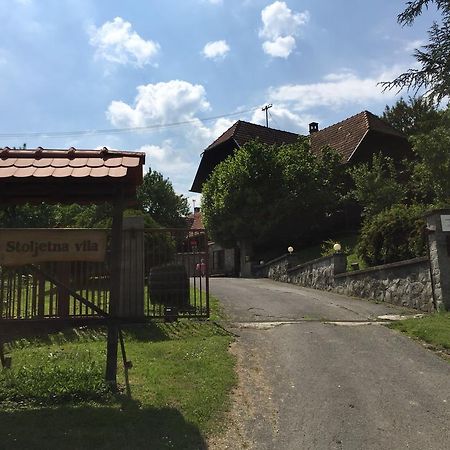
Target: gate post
(438,227)
(132,280)
(115,283)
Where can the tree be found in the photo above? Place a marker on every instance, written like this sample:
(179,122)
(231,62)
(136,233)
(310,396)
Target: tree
(433,75)
(267,193)
(157,197)
(376,186)
(414,116)
(395,234)
(431,174)
(27,216)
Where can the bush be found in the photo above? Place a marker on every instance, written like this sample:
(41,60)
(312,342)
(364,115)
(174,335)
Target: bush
(395,234)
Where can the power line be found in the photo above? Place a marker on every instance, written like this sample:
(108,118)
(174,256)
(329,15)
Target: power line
(52,134)
(275,120)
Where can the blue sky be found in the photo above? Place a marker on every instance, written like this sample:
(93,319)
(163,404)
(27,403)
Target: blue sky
(69,65)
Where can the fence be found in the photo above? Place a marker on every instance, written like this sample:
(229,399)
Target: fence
(164,274)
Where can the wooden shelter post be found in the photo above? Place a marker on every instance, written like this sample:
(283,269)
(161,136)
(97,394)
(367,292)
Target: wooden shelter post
(114,299)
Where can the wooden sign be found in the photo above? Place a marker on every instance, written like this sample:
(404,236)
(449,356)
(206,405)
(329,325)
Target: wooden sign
(25,246)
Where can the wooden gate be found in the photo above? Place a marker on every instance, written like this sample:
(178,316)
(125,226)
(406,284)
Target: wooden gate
(164,273)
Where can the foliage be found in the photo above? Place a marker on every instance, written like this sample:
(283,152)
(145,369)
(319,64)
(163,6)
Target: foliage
(434,329)
(431,174)
(375,185)
(267,193)
(414,116)
(157,197)
(27,216)
(327,248)
(433,75)
(394,234)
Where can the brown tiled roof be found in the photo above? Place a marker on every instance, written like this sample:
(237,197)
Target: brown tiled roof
(243,132)
(42,163)
(346,136)
(195,220)
(86,176)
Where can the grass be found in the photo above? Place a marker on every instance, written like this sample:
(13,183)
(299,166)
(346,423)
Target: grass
(433,329)
(29,306)
(55,397)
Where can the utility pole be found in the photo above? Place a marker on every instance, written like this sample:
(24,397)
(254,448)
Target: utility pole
(266,109)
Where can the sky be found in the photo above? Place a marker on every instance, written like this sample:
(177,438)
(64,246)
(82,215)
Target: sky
(75,73)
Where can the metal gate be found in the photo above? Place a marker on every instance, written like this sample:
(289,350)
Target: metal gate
(164,274)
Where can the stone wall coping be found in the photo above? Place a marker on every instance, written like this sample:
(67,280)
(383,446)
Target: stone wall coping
(407,262)
(309,263)
(279,258)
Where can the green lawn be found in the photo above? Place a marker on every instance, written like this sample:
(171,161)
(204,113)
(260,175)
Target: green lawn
(55,397)
(433,329)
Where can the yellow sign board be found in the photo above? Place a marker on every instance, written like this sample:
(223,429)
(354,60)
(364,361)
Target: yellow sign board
(25,246)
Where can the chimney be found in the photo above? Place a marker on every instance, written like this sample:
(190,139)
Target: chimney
(313,127)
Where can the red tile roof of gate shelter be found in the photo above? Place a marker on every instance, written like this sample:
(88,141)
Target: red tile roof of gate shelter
(69,176)
(43,163)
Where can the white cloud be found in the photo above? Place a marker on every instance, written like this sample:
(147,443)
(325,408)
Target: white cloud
(216,50)
(117,42)
(282,118)
(164,159)
(159,104)
(335,90)
(281,47)
(279,20)
(280,26)
(205,135)
(413,45)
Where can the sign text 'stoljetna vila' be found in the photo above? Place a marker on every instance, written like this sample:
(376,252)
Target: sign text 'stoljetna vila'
(25,246)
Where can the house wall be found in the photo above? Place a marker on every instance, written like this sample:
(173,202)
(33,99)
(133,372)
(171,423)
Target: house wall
(227,260)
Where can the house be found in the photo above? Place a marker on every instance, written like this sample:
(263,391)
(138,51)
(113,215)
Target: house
(221,261)
(235,137)
(359,137)
(356,138)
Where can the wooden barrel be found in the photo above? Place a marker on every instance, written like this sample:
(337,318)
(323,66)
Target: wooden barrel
(169,286)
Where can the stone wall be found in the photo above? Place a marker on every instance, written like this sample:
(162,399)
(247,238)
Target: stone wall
(276,269)
(405,283)
(421,283)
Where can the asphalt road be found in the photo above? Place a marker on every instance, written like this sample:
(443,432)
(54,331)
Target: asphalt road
(318,372)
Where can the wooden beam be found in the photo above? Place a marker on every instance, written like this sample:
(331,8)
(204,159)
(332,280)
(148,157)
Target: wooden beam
(114,298)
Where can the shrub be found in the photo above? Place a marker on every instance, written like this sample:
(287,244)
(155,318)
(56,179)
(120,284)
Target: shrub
(395,234)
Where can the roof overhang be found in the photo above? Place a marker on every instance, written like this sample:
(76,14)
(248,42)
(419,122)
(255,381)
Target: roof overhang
(210,158)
